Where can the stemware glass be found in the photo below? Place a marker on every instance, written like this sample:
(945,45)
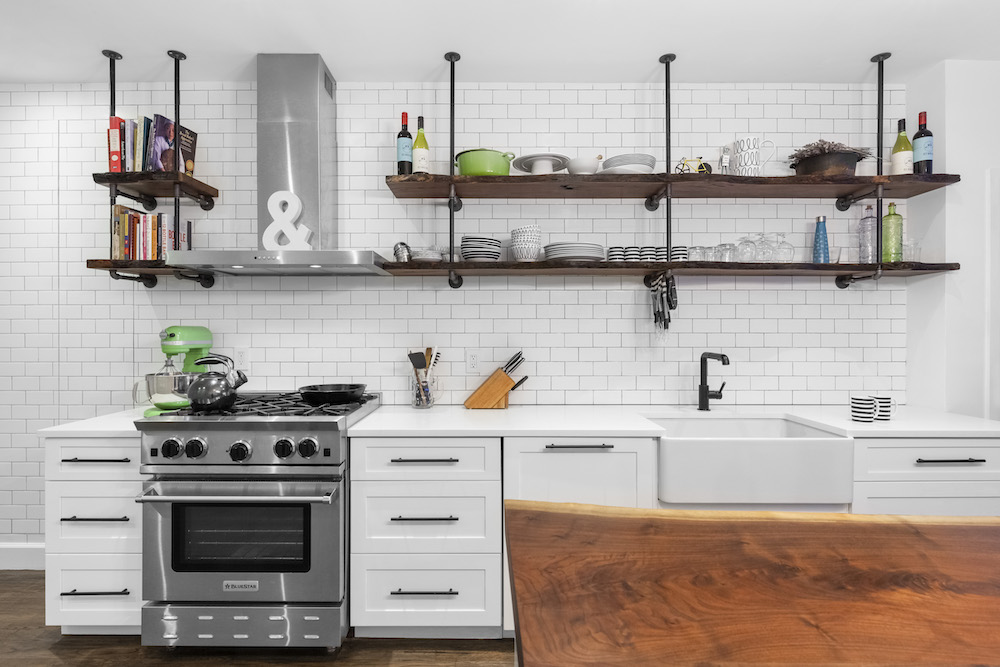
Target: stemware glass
(783,251)
(765,251)
(746,251)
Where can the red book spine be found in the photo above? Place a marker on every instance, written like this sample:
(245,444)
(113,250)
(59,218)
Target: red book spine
(115,144)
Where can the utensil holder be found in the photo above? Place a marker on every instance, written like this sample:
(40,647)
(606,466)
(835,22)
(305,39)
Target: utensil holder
(423,392)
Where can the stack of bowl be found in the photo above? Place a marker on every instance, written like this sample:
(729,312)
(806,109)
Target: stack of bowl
(630,163)
(526,243)
(480,249)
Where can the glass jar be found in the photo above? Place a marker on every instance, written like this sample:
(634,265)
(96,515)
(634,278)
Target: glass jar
(423,392)
(746,250)
(868,237)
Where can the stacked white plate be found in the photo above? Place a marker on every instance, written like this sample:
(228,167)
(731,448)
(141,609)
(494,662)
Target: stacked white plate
(630,163)
(480,249)
(575,251)
(425,255)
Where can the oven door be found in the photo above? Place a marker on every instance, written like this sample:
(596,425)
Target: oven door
(243,541)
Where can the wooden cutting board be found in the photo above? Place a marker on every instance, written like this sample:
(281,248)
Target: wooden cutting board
(610,586)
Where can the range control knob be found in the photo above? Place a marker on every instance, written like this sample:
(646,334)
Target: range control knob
(240,451)
(308,448)
(195,448)
(171,448)
(284,448)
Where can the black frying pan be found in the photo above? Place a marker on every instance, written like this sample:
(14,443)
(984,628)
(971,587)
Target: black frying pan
(324,394)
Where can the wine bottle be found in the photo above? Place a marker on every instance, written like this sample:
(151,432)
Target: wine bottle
(902,153)
(421,152)
(892,235)
(867,237)
(923,147)
(404,150)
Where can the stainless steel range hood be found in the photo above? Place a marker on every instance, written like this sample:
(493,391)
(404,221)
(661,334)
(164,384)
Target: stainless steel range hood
(296,153)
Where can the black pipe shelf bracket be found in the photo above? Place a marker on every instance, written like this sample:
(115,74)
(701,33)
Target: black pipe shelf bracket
(454,201)
(147,279)
(206,280)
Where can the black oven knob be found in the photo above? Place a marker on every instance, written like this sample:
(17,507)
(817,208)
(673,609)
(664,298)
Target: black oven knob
(171,448)
(284,448)
(308,448)
(239,451)
(195,448)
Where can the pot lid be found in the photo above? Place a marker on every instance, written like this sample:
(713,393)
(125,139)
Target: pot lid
(473,150)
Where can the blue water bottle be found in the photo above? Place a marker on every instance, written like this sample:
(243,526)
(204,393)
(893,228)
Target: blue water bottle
(821,247)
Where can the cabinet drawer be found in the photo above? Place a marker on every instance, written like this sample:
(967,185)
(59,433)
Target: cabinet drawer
(425,517)
(926,459)
(425,590)
(425,458)
(92,458)
(602,471)
(106,589)
(936,498)
(93,517)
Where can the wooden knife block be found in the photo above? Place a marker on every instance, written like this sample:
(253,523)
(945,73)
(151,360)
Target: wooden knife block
(492,393)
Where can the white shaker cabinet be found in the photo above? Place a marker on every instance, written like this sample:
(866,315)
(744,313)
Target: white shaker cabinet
(620,472)
(940,476)
(93,533)
(425,537)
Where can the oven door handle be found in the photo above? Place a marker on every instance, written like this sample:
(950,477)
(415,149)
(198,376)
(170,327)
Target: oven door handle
(149,496)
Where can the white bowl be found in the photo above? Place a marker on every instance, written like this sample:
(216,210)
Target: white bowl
(583,165)
(525,253)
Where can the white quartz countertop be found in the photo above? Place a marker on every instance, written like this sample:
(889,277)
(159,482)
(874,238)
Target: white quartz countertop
(589,420)
(114,425)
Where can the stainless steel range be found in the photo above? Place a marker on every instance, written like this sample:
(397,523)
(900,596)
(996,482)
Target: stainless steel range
(244,523)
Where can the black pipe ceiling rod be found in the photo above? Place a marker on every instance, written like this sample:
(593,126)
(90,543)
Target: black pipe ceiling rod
(454,201)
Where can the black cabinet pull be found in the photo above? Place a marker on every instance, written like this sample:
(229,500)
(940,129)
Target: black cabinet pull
(579,446)
(86,518)
(968,460)
(424,518)
(76,460)
(400,591)
(423,460)
(75,592)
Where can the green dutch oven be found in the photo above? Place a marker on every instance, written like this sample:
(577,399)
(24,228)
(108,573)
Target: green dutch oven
(483,162)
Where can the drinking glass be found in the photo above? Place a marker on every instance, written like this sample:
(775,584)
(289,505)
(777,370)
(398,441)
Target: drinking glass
(696,253)
(746,251)
(783,251)
(725,252)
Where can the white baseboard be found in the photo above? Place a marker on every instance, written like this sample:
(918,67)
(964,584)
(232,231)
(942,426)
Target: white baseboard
(22,556)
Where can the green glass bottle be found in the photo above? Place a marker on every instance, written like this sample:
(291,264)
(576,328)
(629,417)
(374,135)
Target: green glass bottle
(892,235)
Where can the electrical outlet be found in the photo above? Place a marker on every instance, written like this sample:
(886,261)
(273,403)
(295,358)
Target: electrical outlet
(471,362)
(243,359)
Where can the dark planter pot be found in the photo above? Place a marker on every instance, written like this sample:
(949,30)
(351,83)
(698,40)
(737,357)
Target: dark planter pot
(828,164)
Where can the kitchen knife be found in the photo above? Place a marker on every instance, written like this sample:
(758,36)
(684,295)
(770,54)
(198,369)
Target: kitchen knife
(509,366)
(519,383)
(514,367)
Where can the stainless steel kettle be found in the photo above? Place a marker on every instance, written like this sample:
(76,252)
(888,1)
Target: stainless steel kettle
(213,390)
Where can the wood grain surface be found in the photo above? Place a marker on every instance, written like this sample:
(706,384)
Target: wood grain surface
(610,586)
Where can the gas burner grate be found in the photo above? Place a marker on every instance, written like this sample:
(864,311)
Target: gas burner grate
(280,405)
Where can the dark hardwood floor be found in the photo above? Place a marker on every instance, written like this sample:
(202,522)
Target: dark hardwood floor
(26,641)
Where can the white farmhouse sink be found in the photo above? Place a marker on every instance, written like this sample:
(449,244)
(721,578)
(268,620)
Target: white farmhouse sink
(759,459)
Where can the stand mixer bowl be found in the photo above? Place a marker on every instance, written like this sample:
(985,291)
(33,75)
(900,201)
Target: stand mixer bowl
(169,391)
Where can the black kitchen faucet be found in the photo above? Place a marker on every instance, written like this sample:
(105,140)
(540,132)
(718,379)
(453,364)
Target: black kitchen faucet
(704,393)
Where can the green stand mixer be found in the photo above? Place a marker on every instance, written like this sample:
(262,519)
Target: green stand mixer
(168,387)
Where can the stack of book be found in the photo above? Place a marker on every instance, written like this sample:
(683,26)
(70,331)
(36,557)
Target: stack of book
(137,235)
(150,145)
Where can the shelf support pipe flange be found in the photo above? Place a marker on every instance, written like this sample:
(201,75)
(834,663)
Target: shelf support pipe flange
(845,202)
(206,280)
(454,202)
(653,200)
(149,280)
(843,282)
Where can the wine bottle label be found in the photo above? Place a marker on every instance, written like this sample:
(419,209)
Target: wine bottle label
(404,149)
(421,160)
(901,163)
(923,149)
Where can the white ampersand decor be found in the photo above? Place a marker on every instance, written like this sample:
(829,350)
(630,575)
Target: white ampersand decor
(285,208)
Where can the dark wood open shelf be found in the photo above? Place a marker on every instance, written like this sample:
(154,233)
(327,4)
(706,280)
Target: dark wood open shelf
(563,268)
(136,266)
(156,184)
(683,186)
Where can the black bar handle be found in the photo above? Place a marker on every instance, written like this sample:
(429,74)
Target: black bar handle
(423,518)
(579,446)
(78,460)
(75,592)
(400,591)
(449,460)
(968,460)
(76,518)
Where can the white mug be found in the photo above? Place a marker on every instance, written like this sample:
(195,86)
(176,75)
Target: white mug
(747,160)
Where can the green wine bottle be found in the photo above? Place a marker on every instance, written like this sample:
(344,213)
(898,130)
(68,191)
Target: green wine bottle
(892,235)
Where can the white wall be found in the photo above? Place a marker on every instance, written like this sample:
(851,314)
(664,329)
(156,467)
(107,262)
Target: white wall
(74,341)
(954,359)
